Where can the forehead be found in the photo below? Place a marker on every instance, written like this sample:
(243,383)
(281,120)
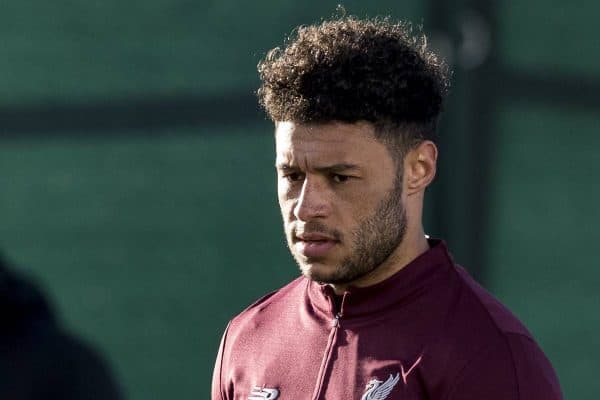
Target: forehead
(333,141)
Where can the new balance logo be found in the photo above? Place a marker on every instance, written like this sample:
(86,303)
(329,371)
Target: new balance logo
(260,393)
(406,373)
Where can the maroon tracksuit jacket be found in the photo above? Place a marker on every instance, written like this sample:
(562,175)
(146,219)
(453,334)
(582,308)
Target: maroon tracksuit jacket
(427,332)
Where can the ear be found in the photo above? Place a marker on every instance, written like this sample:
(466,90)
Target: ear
(419,167)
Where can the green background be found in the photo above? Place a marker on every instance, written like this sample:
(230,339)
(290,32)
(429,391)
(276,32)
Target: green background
(150,243)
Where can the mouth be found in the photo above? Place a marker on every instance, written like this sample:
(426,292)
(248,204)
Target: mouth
(314,245)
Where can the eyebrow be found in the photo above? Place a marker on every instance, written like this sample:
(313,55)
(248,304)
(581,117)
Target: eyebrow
(341,167)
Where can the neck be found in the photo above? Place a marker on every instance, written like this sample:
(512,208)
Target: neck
(413,245)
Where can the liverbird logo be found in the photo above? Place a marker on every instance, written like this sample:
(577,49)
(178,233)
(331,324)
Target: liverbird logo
(379,390)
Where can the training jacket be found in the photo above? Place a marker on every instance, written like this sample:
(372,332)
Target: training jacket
(427,332)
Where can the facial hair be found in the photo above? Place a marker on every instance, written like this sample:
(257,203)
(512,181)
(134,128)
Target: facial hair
(373,241)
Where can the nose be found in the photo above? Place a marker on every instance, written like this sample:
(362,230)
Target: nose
(314,200)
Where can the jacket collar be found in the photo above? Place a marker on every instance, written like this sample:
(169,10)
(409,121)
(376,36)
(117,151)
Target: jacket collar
(396,290)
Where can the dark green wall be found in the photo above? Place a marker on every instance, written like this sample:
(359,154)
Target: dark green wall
(148,246)
(83,51)
(550,36)
(543,234)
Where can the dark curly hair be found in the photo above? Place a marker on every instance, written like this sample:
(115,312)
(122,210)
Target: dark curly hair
(351,69)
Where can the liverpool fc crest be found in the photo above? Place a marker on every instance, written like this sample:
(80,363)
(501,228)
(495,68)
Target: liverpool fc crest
(379,390)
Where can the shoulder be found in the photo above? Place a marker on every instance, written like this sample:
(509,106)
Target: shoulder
(514,369)
(279,302)
(266,320)
(534,372)
(487,307)
(471,319)
(501,359)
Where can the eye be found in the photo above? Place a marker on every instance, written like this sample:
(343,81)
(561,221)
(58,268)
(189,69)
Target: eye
(294,176)
(337,178)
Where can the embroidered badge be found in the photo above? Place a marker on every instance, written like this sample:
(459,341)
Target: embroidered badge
(379,390)
(260,393)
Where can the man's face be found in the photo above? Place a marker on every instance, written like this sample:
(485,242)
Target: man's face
(340,194)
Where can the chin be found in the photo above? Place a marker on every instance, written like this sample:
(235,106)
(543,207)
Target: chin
(312,270)
(319,272)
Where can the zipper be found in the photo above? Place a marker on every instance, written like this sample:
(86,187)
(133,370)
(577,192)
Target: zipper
(335,324)
(331,341)
(336,321)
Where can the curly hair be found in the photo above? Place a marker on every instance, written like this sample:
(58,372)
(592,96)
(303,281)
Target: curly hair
(349,70)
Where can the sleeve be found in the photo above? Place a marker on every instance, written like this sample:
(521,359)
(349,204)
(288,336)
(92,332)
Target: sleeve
(217,380)
(536,377)
(517,370)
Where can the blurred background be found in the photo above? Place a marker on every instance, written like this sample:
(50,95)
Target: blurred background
(137,181)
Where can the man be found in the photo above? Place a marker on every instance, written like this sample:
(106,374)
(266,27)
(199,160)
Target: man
(40,359)
(381,311)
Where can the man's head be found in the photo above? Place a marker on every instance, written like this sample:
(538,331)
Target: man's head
(355,103)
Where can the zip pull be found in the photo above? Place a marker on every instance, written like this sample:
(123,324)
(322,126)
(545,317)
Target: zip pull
(336,321)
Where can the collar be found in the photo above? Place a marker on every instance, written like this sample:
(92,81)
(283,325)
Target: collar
(396,290)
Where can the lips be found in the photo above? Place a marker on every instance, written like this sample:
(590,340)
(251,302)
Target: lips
(314,244)
(313,237)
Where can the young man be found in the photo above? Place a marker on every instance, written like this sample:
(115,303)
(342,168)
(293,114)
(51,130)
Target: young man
(380,312)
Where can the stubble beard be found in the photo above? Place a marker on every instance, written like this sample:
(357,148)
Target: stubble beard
(373,242)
